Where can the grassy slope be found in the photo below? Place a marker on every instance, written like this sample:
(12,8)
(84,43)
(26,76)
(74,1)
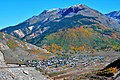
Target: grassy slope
(96,37)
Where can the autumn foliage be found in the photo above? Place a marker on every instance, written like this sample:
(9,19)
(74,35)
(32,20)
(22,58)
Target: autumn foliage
(42,57)
(12,44)
(53,48)
(83,38)
(83,31)
(108,72)
(81,48)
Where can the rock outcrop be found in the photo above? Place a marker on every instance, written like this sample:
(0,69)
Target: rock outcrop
(2,62)
(21,74)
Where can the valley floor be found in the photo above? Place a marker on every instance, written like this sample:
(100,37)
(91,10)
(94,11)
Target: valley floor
(86,65)
(79,66)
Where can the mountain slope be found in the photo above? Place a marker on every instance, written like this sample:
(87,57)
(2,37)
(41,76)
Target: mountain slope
(114,15)
(83,38)
(15,50)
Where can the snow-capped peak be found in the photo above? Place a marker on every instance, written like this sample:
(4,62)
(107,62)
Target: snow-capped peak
(54,9)
(115,15)
(80,5)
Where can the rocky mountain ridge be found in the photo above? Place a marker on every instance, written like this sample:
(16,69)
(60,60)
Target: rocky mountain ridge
(115,15)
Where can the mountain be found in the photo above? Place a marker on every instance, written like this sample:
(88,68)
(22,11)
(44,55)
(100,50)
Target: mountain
(38,25)
(114,15)
(73,28)
(16,51)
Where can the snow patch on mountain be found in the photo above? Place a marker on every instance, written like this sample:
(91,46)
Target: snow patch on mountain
(19,32)
(31,27)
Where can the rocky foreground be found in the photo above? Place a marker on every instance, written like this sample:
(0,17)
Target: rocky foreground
(12,72)
(20,74)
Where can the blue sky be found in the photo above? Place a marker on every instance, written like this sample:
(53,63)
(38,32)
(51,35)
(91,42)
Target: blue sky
(13,12)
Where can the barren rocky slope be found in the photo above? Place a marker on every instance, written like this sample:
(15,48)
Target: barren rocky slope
(16,51)
(12,72)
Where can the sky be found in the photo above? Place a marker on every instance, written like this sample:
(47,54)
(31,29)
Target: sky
(13,12)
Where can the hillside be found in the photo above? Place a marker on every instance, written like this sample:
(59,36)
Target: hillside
(84,38)
(111,71)
(16,51)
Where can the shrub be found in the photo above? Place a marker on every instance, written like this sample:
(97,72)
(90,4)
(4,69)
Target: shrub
(107,72)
